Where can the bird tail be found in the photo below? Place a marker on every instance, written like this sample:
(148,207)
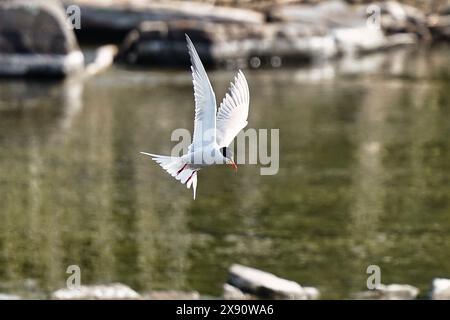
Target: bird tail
(178,169)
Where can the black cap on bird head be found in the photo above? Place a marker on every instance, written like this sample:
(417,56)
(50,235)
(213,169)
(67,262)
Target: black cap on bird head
(226,152)
(228,155)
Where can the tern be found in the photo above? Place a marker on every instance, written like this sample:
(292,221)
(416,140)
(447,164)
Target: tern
(214,130)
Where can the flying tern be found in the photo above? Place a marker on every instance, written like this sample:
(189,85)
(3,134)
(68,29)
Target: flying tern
(214,129)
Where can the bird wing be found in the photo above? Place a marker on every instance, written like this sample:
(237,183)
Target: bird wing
(233,111)
(205,102)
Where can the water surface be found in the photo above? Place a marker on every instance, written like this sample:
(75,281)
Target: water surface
(363,180)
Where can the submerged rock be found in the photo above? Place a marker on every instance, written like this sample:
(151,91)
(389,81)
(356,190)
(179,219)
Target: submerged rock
(390,292)
(440,289)
(266,285)
(36,40)
(114,291)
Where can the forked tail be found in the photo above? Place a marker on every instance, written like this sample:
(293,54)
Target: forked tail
(178,169)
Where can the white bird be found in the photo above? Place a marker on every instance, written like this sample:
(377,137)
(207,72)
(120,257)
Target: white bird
(212,133)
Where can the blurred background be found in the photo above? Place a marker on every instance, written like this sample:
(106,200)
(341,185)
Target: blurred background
(360,91)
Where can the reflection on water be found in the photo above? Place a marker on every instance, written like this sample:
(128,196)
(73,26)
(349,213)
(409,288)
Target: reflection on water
(363,179)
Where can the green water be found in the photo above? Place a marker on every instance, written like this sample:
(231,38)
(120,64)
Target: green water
(364,179)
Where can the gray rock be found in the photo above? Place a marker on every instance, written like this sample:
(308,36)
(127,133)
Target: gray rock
(120,17)
(402,18)
(36,39)
(5,296)
(171,295)
(349,26)
(398,291)
(103,58)
(445,9)
(312,293)
(114,291)
(390,292)
(439,26)
(232,293)
(328,14)
(359,39)
(266,285)
(163,43)
(440,289)
(35,65)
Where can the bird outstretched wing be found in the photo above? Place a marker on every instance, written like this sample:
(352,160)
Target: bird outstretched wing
(205,103)
(233,111)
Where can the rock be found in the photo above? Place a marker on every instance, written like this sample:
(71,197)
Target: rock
(312,293)
(401,18)
(398,291)
(390,292)
(359,40)
(114,291)
(363,40)
(164,43)
(439,26)
(171,295)
(347,26)
(329,14)
(116,18)
(440,289)
(102,59)
(232,293)
(296,34)
(36,39)
(266,285)
(397,18)
(445,9)
(5,296)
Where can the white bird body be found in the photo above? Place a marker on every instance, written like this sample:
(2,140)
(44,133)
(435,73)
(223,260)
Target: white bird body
(213,130)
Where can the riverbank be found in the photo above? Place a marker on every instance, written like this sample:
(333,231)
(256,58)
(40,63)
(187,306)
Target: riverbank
(245,283)
(152,33)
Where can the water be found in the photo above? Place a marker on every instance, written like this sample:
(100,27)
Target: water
(363,180)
